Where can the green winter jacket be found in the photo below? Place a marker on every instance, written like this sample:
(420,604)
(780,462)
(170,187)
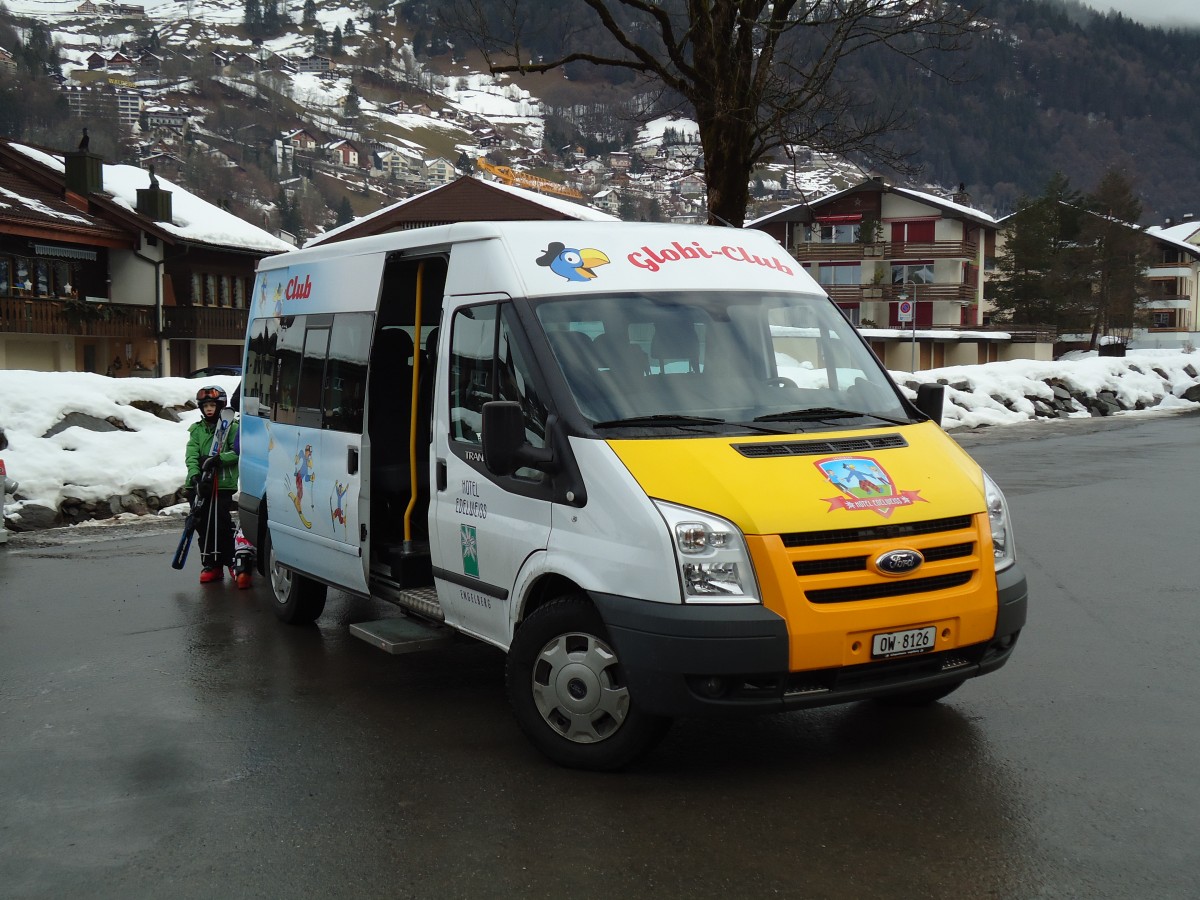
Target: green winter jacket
(200,438)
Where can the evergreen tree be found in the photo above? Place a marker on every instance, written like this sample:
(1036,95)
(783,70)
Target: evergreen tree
(320,41)
(253,16)
(351,108)
(272,21)
(310,13)
(335,43)
(1041,276)
(1120,253)
(345,213)
(349,30)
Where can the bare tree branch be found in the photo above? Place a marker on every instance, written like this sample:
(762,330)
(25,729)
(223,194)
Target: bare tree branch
(759,75)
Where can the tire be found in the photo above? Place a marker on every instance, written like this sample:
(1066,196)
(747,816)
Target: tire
(297,600)
(924,697)
(568,693)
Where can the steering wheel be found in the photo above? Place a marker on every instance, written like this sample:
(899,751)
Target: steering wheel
(780,382)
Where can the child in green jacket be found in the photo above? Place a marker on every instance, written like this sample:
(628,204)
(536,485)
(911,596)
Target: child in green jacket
(215,531)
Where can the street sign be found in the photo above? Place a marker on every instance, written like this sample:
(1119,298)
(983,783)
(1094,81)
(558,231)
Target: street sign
(905,309)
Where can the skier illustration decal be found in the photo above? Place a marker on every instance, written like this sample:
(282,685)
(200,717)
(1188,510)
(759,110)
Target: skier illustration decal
(865,484)
(338,513)
(303,472)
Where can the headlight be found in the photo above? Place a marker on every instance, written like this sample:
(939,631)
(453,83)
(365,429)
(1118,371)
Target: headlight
(1003,546)
(714,566)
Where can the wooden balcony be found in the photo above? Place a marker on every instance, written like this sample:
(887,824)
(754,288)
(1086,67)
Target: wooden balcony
(204,322)
(76,318)
(885,251)
(870,293)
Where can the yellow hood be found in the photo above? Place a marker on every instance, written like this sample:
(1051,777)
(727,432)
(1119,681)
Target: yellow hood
(801,483)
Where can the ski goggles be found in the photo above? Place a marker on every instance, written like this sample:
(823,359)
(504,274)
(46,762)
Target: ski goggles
(209,394)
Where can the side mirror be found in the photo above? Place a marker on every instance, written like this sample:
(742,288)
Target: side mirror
(930,400)
(504,446)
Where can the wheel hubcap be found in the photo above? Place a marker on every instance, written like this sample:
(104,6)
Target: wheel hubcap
(578,688)
(281,580)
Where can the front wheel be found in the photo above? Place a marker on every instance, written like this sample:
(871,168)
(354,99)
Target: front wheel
(568,692)
(298,600)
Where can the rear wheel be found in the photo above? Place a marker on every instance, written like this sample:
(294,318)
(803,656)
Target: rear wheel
(298,600)
(569,694)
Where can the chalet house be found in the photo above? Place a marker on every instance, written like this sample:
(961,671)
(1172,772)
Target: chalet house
(1171,307)
(397,165)
(439,171)
(300,140)
(619,161)
(421,109)
(608,200)
(120,61)
(164,117)
(127,10)
(107,268)
(485,137)
(342,153)
(87,8)
(314,63)
(7,63)
(909,264)
(96,61)
(245,62)
(150,62)
(690,185)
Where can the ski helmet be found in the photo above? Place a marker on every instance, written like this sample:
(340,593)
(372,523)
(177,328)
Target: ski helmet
(213,393)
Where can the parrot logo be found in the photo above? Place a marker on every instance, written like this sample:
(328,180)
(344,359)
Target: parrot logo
(572,264)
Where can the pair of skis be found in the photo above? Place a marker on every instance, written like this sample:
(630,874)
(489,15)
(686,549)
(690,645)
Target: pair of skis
(206,490)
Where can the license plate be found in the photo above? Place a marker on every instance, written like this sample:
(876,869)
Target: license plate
(902,643)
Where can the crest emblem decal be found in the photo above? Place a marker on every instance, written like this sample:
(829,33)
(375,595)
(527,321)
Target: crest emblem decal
(865,485)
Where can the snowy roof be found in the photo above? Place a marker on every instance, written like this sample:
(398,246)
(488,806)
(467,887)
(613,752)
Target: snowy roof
(1181,234)
(192,219)
(563,207)
(942,203)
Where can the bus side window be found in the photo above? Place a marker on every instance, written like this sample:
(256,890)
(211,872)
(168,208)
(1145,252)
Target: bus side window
(312,376)
(346,372)
(259,379)
(287,367)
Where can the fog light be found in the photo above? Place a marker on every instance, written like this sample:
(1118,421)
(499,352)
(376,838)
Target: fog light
(710,686)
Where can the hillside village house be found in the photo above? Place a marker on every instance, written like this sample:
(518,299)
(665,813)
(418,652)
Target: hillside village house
(1173,303)
(876,246)
(109,269)
(440,171)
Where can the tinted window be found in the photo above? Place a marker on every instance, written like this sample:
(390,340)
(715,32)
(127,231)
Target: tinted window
(346,372)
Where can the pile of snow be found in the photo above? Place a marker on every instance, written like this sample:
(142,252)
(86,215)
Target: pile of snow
(60,466)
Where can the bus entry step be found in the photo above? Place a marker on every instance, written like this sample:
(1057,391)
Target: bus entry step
(401,635)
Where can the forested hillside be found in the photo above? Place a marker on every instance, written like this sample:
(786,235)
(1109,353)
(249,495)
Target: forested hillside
(1048,86)
(1057,88)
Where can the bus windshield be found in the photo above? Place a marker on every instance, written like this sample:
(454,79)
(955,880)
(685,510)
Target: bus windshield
(709,360)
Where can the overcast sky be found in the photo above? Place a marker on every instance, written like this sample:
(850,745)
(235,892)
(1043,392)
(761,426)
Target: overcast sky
(1154,12)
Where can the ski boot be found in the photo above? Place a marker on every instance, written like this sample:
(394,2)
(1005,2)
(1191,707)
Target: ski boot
(242,569)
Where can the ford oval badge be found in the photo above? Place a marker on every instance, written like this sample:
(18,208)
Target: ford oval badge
(899,562)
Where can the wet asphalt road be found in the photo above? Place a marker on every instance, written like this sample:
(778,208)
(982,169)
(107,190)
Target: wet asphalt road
(159,739)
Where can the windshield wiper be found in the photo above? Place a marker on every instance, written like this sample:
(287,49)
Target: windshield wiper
(822,413)
(664,420)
